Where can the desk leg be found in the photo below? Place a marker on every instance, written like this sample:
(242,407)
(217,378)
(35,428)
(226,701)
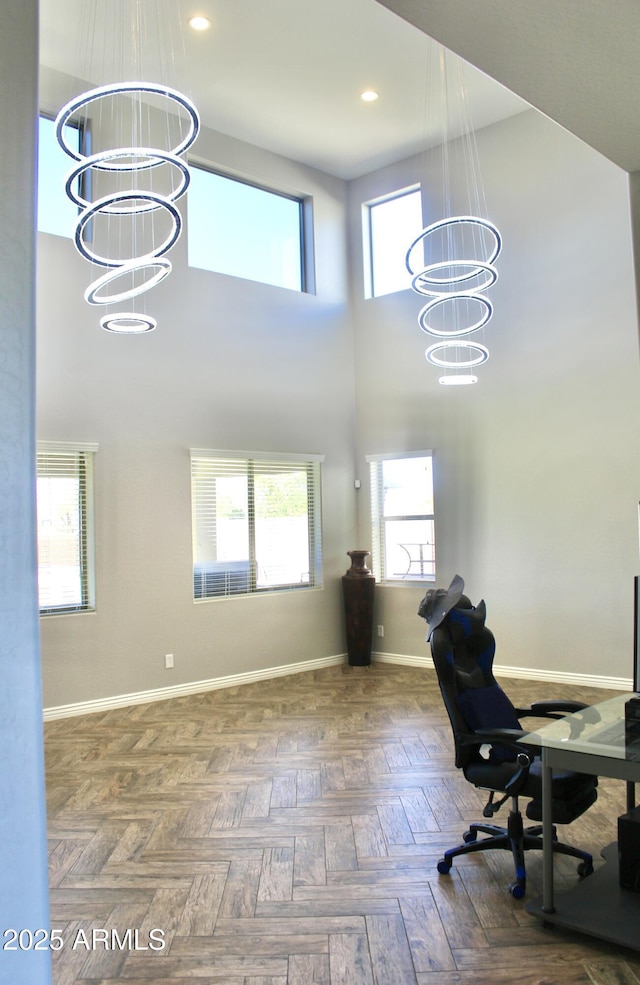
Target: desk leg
(547,837)
(631,795)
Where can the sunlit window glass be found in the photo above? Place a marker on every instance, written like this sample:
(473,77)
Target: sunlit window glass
(245,231)
(56,212)
(393,225)
(403,518)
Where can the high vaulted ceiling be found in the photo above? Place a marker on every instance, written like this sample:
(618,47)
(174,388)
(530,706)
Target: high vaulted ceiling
(578,61)
(287,75)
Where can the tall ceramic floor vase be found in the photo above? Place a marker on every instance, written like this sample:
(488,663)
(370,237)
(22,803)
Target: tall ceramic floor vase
(358,586)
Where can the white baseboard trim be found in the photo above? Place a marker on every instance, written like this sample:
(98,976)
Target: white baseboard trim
(402,659)
(564,677)
(525,673)
(181,690)
(250,677)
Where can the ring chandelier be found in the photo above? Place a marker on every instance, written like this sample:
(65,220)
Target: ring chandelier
(454,286)
(147,264)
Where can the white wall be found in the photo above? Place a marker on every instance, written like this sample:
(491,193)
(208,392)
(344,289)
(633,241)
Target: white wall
(232,365)
(538,465)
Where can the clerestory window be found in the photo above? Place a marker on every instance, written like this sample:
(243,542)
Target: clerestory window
(56,212)
(244,230)
(390,226)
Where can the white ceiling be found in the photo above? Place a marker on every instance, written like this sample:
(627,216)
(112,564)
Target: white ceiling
(287,75)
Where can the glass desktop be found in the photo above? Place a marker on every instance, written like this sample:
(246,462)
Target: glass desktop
(592,741)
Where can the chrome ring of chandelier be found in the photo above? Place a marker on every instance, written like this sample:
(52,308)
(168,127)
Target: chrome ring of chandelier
(456,330)
(128,323)
(118,89)
(423,283)
(435,354)
(96,161)
(101,206)
(162,268)
(448,224)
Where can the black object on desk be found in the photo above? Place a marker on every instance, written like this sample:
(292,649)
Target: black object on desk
(632,720)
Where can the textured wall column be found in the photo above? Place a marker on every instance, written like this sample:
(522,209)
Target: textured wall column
(634,204)
(23,873)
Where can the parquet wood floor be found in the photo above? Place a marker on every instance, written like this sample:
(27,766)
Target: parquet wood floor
(287,833)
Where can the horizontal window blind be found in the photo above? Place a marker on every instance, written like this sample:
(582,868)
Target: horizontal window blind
(256,524)
(403,520)
(65,528)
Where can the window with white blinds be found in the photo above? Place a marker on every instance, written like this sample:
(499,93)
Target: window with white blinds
(256,523)
(65,527)
(403,520)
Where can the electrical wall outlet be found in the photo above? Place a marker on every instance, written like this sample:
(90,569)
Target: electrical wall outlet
(168,660)
(380,631)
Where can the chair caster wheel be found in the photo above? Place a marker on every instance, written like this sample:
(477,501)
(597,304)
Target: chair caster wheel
(585,869)
(517,890)
(444,866)
(470,836)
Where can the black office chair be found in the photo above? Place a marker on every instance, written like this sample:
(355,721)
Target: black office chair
(488,737)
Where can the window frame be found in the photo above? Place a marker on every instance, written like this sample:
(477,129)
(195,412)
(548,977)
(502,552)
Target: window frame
(378,520)
(241,581)
(368,239)
(305,226)
(84,182)
(85,454)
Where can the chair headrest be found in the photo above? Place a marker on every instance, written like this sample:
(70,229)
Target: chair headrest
(465,621)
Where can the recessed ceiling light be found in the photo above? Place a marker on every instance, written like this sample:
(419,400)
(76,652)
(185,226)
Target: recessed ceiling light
(199,23)
(369,96)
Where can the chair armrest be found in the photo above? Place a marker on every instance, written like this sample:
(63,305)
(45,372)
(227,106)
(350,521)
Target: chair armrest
(506,736)
(498,736)
(551,709)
